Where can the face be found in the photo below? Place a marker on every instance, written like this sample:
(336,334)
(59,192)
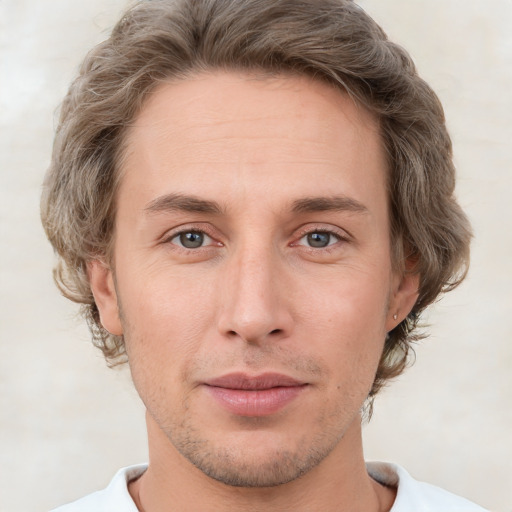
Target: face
(251,275)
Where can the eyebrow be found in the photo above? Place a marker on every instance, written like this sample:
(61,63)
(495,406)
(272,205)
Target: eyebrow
(193,204)
(181,202)
(323,204)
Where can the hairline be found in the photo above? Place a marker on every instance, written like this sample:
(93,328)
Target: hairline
(259,73)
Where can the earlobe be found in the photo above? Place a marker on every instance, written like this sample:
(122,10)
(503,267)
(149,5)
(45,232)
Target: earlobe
(105,296)
(404,296)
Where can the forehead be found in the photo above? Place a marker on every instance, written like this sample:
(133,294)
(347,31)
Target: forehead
(219,99)
(220,129)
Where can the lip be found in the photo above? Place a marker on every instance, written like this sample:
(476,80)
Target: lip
(257,395)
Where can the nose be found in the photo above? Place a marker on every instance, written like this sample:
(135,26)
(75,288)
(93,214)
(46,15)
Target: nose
(255,307)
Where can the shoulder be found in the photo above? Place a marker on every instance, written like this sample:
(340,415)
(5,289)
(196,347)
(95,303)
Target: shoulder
(114,498)
(417,496)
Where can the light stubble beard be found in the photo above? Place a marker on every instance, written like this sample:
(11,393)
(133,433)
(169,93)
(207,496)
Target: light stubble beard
(235,467)
(232,467)
(257,466)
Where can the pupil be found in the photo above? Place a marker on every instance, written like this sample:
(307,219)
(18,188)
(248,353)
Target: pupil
(192,240)
(318,239)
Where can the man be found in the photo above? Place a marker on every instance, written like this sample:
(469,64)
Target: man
(253,201)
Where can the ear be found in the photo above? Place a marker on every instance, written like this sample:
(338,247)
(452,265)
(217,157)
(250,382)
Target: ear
(404,296)
(103,289)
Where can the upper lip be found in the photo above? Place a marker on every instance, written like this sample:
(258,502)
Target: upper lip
(241,380)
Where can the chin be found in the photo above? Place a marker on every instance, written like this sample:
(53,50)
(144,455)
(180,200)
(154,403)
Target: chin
(255,459)
(242,470)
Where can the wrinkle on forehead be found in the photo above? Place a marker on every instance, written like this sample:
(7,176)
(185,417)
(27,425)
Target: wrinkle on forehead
(250,134)
(203,103)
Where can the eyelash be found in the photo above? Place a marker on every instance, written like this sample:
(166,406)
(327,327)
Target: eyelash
(337,234)
(169,237)
(201,229)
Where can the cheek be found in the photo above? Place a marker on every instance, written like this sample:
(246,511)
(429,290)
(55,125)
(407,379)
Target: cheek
(346,324)
(164,318)
(354,301)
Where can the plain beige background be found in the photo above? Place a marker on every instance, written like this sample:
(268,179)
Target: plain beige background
(68,423)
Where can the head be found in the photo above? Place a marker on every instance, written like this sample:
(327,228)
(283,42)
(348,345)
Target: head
(332,43)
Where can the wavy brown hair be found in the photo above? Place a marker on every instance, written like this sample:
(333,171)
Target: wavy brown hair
(328,40)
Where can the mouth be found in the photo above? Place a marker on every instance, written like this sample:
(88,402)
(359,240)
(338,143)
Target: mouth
(259,395)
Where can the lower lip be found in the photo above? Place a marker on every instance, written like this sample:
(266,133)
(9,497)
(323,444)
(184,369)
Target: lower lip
(261,402)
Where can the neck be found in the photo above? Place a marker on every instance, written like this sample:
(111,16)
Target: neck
(339,483)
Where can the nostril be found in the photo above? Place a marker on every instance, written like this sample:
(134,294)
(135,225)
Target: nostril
(254,337)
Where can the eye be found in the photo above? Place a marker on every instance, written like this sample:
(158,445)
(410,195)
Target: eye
(191,239)
(319,239)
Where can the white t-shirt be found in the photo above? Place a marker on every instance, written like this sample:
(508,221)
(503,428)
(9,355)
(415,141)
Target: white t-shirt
(412,496)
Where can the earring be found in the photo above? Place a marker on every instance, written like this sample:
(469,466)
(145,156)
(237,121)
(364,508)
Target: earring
(395,316)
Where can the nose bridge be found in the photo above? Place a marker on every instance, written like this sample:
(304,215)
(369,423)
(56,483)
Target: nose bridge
(253,307)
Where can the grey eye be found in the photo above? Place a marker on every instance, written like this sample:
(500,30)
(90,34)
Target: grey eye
(190,239)
(319,239)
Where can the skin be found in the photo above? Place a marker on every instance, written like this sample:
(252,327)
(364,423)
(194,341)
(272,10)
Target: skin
(254,296)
